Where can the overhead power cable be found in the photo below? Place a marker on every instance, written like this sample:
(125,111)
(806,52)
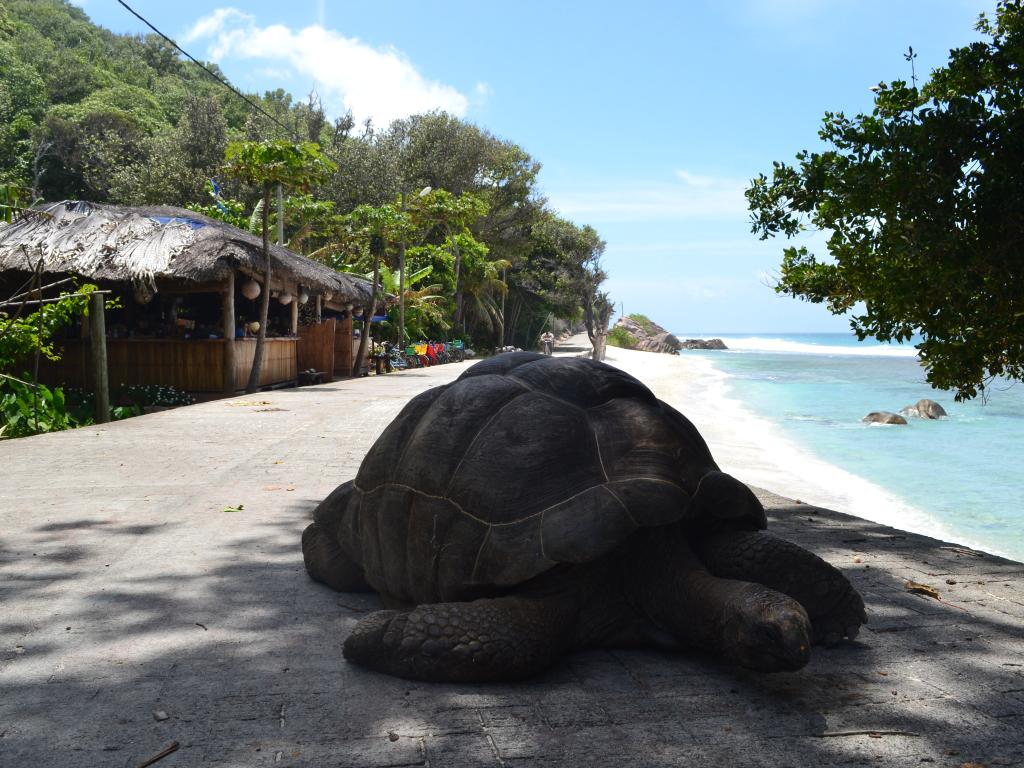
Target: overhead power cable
(211,73)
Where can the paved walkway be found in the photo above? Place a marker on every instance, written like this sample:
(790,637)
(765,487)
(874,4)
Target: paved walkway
(152,591)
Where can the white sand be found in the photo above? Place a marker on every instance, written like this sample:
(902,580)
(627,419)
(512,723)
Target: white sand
(753,449)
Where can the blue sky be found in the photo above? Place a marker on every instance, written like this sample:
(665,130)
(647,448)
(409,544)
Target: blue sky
(648,117)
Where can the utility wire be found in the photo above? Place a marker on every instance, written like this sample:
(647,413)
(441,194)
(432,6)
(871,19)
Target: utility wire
(210,72)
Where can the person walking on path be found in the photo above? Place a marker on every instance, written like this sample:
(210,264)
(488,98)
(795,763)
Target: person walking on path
(547,343)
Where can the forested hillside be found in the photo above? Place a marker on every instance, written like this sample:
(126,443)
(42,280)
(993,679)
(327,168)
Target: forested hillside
(89,114)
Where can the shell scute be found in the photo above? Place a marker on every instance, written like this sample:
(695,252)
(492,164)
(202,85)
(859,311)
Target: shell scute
(584,527)
(533,453)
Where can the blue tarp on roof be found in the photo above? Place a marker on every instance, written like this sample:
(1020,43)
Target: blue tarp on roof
(178,220)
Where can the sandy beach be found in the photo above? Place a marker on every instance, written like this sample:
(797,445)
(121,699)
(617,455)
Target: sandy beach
(752,449)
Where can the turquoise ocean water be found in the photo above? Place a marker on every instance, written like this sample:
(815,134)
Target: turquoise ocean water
(964,472)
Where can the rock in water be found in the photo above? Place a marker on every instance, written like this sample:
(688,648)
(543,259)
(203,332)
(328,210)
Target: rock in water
(704,344)
(883,417)
(925,409)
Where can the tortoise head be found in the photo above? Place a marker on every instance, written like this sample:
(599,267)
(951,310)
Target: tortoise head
(767,631)
(721,502)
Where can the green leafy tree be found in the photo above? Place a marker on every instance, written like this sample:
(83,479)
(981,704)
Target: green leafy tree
(264,165)
(923,206)
(424,303)
(453,216)
(375,230)
(27,407)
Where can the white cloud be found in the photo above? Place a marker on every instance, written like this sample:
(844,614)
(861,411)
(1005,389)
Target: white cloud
(377,83)
(691,197)
(694,180)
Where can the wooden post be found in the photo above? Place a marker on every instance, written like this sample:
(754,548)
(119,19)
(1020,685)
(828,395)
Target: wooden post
(401,287)
(280,215)
(295,313)
(228,323)
(98,344)
(319,308)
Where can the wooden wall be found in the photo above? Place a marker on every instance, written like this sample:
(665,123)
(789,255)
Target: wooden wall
(192,365)
(343,348)
(316,347)
(279,363)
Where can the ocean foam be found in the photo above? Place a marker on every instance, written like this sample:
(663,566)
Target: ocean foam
(753,449)
(790,347)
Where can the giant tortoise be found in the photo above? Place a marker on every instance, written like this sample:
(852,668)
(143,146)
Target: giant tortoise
(538,505)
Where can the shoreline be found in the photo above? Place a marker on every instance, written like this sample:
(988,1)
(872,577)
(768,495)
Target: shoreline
(757,452)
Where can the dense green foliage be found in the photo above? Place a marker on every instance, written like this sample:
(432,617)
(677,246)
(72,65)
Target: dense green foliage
(22,334)
(27,407)
(30,409)
(923,202)
(88,114)
(620,337)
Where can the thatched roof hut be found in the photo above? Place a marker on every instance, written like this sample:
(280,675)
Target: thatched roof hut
(144,245)
(187,285)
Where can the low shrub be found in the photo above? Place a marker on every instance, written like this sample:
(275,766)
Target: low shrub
(27,409)
(620,337)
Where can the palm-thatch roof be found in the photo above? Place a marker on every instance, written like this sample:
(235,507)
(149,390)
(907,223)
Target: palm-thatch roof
(144,244)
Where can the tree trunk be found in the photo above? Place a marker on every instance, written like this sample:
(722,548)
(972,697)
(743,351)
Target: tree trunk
(401,288)
(458,287)
(401,295)
(599,312)
(261,337)
(504,279)
(517,310)
(364,337)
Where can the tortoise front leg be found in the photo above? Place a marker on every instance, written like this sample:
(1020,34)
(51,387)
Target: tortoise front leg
(507,638)
(834,606)
(757,627)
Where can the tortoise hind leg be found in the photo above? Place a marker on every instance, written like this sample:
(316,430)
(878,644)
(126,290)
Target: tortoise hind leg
(835,608)
(328,564)
(325,560)
(507,638)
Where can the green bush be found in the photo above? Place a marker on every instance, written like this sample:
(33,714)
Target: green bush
(620,337)
(27,410)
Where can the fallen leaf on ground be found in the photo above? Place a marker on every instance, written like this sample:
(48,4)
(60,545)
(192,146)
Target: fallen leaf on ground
(921,589)
(249,402)
(290,488)
(239,508)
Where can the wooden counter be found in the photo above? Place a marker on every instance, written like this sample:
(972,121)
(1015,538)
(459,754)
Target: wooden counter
(194,365)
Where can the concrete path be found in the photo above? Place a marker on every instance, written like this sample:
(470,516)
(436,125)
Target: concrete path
(152,592)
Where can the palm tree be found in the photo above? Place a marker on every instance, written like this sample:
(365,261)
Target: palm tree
(424,304)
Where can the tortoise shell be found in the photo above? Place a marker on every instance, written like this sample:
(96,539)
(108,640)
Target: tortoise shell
(523,463)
